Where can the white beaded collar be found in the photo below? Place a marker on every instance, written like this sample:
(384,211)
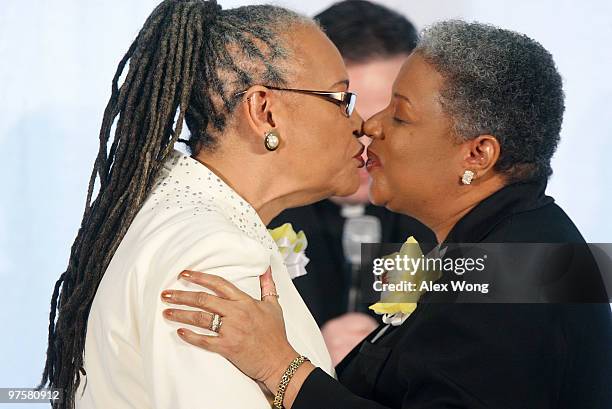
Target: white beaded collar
(185,183)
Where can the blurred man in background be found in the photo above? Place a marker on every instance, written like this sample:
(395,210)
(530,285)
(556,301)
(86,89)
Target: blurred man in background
(374,42)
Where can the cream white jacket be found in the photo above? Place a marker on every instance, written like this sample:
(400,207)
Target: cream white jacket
(133,356)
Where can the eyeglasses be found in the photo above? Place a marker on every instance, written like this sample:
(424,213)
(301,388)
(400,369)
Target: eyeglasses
(344,99)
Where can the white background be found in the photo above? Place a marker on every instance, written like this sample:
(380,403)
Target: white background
(57,59)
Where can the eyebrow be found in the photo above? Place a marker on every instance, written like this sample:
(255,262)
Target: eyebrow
(342,82)
(405,98)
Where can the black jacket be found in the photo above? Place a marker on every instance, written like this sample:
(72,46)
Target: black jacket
(474,356)
(325,287)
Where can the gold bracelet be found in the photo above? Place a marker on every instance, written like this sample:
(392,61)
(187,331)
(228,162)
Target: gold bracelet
(282,386)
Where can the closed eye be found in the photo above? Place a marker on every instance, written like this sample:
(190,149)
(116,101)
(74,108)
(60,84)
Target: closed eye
(400,121)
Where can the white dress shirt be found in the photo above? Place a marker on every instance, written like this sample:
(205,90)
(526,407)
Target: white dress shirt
(133,356)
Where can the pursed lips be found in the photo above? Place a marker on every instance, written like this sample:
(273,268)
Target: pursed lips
(373,160)
(358,156)
(360,152)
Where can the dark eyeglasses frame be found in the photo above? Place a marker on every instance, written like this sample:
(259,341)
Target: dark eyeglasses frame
(341,98)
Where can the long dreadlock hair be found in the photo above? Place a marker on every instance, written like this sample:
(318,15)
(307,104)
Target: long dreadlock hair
(192,57)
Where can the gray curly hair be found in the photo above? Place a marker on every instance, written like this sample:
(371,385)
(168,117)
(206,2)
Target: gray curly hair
(502,83)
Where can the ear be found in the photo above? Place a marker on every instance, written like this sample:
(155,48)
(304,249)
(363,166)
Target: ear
(259,105)
(481,154)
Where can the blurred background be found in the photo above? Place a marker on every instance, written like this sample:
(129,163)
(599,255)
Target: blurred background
(57,60)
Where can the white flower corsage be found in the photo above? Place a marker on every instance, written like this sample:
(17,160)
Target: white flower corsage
(292,247)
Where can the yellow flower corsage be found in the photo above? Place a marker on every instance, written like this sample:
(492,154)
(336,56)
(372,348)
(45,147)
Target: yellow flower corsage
(292,247)
(396,306)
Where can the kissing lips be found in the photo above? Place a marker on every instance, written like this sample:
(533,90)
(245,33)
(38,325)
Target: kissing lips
(373,161)
(358,156)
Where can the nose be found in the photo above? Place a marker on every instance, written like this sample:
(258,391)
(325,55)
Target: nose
(373,127)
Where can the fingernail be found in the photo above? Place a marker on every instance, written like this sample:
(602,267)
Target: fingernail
(166,295)
(181,332)
(185,274)
(168,313)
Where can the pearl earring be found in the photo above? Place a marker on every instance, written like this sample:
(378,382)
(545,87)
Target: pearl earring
(271,140)
(468,175)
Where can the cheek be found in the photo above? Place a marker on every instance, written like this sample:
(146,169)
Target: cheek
(322,149)
(416,164)
(419,153)
(337,142)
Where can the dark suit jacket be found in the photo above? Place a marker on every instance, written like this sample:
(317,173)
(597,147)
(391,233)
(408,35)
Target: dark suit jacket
(473,356)
(325,287)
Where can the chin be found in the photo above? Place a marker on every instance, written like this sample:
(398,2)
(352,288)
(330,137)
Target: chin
(349,186)
(378,194)
(360,196)
(347,190)
(377,198)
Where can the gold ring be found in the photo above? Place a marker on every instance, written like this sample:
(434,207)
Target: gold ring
(270,294)
(215,324)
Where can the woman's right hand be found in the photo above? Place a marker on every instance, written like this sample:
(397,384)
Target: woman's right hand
(252,334)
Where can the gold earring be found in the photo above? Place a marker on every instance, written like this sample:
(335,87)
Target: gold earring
(271,140)
(468,175)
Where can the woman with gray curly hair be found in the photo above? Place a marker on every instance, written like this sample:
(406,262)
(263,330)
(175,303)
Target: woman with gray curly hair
(464,146)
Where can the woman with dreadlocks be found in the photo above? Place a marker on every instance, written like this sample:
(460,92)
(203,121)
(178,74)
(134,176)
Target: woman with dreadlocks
(257,105)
